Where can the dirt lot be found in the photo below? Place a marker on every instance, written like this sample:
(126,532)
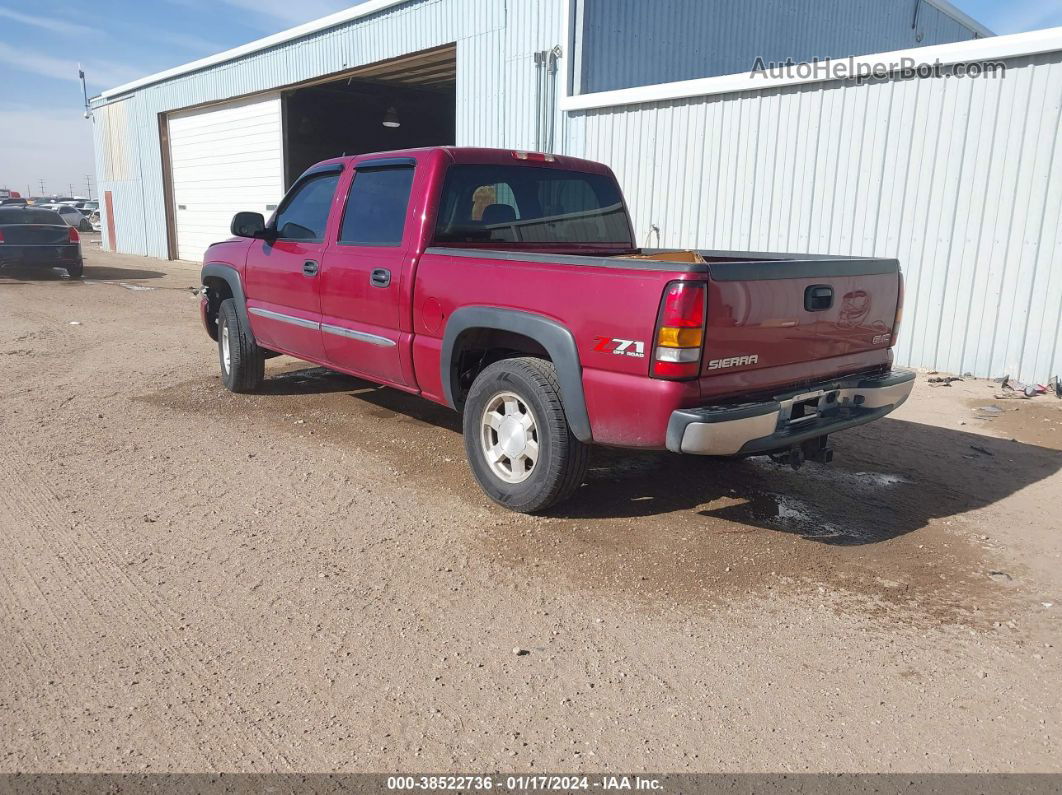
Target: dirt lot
(308,579)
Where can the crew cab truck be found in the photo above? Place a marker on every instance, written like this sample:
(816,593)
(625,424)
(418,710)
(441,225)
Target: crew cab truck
(508,286)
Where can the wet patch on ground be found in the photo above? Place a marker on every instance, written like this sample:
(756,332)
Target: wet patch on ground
(878,532)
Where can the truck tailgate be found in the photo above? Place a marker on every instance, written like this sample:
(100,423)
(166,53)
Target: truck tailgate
(764,315)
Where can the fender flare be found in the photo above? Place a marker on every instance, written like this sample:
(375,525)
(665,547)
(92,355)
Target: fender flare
(231,277)
(555,338)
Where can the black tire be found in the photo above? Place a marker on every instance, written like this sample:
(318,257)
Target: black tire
(561,458)
(246,366)
(76,271)
(84,225)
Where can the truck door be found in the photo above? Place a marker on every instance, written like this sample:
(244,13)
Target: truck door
(283,275)
(364,281)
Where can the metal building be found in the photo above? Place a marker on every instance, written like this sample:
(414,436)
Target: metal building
(708,154)
(178,151)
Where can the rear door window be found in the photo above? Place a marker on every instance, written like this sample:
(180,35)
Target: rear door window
(304,214)
(377,207)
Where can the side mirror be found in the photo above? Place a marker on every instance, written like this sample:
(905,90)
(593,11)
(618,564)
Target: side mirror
(247,224)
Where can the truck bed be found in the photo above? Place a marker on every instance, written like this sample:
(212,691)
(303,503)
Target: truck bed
(759,338)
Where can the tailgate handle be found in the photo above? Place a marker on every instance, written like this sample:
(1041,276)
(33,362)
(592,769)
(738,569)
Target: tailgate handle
(818,297)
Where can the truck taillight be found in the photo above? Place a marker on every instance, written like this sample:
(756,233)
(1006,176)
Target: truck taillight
(680,331)
(72,235)
(899,310)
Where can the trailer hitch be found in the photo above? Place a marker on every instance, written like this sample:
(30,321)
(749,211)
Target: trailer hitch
(817,450)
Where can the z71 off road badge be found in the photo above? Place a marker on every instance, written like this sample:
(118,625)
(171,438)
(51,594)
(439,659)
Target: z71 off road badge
(620,347)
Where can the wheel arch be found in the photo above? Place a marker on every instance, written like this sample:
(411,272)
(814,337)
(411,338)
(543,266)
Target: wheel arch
(224,282)
(556,341)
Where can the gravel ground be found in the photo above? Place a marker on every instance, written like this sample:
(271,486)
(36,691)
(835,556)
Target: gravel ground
(308,579)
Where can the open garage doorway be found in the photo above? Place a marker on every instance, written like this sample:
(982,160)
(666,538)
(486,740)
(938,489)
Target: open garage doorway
(398,104)
(243,154)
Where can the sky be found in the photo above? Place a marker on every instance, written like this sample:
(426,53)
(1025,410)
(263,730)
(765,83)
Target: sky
(43,134)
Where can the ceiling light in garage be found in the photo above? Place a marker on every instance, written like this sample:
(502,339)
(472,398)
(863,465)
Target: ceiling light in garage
(390,118)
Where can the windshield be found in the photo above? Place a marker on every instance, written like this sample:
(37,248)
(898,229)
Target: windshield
(20,215)
(527,204)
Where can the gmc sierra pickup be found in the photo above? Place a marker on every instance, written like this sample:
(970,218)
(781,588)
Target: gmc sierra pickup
(508,286)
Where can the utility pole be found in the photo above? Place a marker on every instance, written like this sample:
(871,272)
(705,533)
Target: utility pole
(88,184)
(71,186)
(42,187)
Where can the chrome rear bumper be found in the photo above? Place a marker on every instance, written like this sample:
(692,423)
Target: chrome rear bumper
(787,419)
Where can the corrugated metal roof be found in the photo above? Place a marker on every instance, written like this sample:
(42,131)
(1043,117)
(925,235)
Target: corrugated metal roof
(959,16)
(371,7)
(315,26)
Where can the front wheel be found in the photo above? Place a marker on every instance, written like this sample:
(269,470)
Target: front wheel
(517,439)
(242,362)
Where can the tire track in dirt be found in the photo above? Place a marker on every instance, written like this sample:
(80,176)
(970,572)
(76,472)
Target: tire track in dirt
(656,526)
(48,538)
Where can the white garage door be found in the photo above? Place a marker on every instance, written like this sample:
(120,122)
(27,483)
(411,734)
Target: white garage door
(223,159)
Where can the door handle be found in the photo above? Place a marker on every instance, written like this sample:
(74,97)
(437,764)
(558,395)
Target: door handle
(380,277)
(309,268)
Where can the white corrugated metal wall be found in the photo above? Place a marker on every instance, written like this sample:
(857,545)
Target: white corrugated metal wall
(495,82)
(118,171)
(958,178)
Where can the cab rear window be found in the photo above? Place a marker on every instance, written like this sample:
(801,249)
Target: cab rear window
(529,204)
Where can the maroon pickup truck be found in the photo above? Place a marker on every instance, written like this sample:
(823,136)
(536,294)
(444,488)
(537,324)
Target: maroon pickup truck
(508,286)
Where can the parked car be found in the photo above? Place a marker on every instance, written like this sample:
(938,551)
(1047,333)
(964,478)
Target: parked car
(508,286)
(73,216)
(34,237)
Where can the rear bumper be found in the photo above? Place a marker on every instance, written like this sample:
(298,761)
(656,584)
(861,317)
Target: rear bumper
(15,255)
(788,419)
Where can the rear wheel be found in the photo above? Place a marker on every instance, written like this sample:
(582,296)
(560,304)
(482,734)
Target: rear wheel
(75,271)
(242,362)
(519,445)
